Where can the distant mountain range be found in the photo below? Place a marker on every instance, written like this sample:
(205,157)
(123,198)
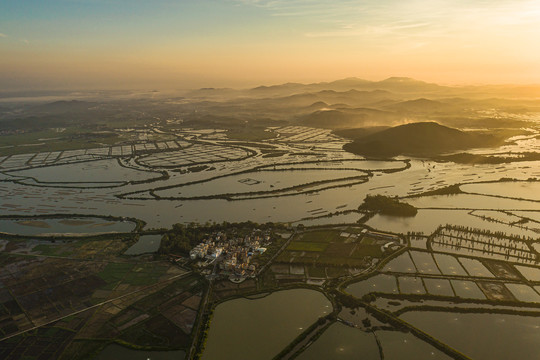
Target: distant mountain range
(400,85)
(349,103)
(393,84)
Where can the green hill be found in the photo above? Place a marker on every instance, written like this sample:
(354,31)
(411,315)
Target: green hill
(419,139)
(387,206)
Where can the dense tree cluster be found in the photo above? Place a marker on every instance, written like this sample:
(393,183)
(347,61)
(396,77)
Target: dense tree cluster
(387,205)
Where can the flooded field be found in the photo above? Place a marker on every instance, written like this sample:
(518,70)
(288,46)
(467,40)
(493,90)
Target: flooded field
(378,283)
(259,328)
(474,248)
(411,285)
(439,287)
(474,334)
(467,289)
(427,220)
(530,273)
(260,181)
(193,154)
(367,165)
(511,189)
(449,265)
(472,201)
(44,226)
(398,345)
(424,262)
(223,160)
(402,263)
(99,172)
(342,342)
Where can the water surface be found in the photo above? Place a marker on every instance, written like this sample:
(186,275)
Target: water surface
(262,327)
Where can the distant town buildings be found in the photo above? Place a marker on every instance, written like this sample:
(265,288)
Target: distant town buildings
(231,255)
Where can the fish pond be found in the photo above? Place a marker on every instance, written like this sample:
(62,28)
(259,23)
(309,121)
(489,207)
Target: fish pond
(482,336)
(260,327)
(342,342)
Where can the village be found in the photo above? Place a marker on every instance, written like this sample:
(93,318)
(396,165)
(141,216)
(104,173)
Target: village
(220,255)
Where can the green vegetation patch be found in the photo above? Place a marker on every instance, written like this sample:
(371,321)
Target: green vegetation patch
(336,271)
(285,257)
(316,271)
(448,190)
(337,261)
(387,206)
(320,236)
(367,250)
(144,274)
(115,272)
(48,250)
(340,249)
(307,246)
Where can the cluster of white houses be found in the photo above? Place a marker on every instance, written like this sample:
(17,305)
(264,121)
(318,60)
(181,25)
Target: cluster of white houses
(234,252)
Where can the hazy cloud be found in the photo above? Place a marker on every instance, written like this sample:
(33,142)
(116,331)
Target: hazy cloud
(3,35)
(360,17)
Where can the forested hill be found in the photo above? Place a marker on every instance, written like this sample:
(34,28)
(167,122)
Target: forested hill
(422,139)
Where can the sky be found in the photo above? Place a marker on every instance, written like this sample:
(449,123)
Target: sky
(166,44)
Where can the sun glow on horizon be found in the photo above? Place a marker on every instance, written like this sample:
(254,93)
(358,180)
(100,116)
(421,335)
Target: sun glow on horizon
(121,44)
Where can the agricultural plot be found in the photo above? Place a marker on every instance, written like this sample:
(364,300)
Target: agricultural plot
(448,287)
(165,316)
(195,154)
(514,189)
(475,268)
(467,289)
(444,275)
(497,216)
(47,342)
(523,293)
(332,248)
(300,134)
(439,287)
(502,270)
(495,291)
(401,264)
(149,303)
(449,265)
(459,277)
(483,244)
(108,172)
(107,248)
(530,273)
(386,284)
(411,285)
(168,314)
(54,280)
(47,158)
(264,183)
(424,262)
